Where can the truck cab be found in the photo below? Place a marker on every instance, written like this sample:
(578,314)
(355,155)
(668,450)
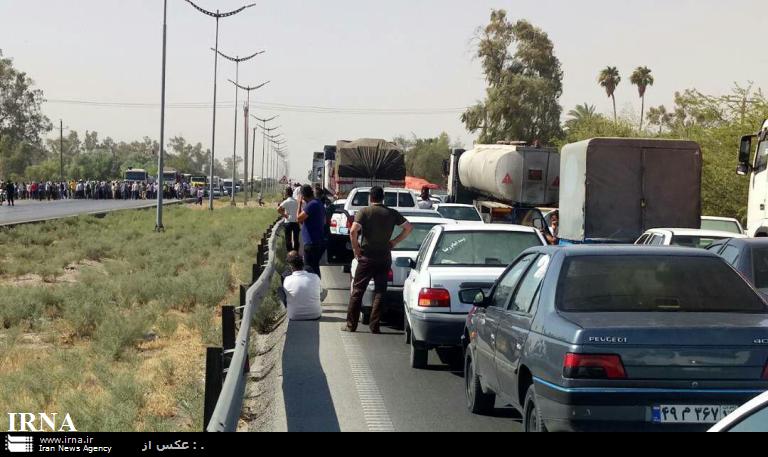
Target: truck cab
(757,169)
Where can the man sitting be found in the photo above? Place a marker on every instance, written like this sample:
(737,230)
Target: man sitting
(302,291)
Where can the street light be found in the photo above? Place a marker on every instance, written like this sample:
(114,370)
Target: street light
(248,89)
(263,148)
(159,227)
(217,15)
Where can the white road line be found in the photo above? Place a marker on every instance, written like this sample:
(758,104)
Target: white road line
(375,411)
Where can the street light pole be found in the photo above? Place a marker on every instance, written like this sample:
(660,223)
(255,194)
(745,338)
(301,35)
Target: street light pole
(263,148)
(159,227)
(248,90)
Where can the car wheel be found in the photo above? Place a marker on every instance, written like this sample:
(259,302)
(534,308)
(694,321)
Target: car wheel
(419,355)
(532,420)
(478,402)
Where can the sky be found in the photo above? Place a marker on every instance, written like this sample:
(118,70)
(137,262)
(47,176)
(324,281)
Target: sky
(385,68)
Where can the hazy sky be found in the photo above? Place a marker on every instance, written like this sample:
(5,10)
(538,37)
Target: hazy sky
(406,55)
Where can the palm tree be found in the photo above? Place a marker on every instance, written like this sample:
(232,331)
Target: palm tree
(609,79)
(580,114)
(642,78)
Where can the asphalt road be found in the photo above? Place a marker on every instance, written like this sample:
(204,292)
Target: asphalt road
(33,211)
(333,381)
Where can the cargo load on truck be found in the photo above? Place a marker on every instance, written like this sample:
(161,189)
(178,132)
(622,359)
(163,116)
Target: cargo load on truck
(366,163)
(613,190)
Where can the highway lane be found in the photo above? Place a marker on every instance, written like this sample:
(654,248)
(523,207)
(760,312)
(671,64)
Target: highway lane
(33,211)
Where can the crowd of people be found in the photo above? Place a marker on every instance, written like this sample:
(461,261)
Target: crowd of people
(10,191)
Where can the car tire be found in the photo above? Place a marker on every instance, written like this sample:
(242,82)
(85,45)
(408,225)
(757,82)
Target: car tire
(533,422)
(478,402)
(419,355)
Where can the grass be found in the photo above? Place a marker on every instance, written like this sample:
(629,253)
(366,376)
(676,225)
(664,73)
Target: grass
(108,321)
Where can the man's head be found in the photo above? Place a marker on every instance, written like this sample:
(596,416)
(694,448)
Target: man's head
(425,193)
(288,192)
(319,192)
(377,195)
(307,193)
(295,261)
(297,185)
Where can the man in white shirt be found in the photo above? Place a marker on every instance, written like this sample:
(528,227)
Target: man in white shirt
(289,210)
(302,291)
(425,201)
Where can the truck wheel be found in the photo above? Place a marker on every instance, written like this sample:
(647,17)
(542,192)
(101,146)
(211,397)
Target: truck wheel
(419,355)
(478,402)
(366,318)
(532,420)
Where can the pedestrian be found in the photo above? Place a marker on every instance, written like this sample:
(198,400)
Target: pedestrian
(289,210)
(312,220)
(200,195)
(297,191)
(425,202)
(261,200)
(374,225)
(10,191)
(303,291)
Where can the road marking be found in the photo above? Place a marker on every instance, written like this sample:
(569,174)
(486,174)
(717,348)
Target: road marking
(374,409)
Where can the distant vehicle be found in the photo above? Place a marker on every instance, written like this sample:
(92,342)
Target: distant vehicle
(367,163)
(460,213)
(415,212)
(226,187)
(612,338)
(748,256)
(136,175)
(338,208)
(317,174)
(407,249)
(454,258)
(689,238)
(750,418)
(722,224)
(171,177)
(753,162)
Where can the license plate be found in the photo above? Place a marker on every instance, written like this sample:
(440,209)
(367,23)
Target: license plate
(691,414)
(343,231)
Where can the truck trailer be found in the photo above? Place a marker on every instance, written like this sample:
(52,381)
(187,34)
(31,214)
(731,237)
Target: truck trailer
(367,163)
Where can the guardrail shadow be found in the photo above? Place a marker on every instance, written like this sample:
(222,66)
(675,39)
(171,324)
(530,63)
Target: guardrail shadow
(308,402)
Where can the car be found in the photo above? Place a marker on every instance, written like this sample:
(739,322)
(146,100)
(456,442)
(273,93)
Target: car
(749,256)
(617,338)
(451,259)
(722,224)
(415,212)
(750,418)
(691,238)
(338,207)
(461,213)
(407,249)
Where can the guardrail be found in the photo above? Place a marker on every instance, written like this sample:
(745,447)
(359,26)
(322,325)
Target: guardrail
(227,367)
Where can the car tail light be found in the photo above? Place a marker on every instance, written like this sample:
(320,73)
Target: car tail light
(592,366)
(434,298)
(391,276)
(334,223)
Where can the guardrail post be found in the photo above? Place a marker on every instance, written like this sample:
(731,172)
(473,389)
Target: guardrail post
(256,270)
(228,333)
(213,383)
(243,291)
(259,259)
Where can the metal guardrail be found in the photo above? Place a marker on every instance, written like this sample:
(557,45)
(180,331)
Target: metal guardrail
(230,363)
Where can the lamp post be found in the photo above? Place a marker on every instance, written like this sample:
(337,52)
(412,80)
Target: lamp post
(159,227)
(217,15)
(263,149)
(248,90)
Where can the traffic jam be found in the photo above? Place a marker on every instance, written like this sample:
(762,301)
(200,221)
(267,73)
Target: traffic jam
(582,286)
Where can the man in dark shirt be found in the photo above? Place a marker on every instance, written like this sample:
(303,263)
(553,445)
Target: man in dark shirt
(312,220)
(376,224)
(10,191)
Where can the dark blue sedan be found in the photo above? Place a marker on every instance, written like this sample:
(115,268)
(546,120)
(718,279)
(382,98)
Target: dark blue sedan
(617,338)
(748,256)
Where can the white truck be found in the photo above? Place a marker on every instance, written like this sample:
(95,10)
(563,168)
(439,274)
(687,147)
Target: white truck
(757,169)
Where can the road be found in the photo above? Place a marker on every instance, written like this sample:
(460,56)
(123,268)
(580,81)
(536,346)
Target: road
(334,381)
(33,211)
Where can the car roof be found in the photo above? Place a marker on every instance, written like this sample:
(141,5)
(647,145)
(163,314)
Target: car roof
(455,205)
(592,250)
(429,220)
(386,189)
(490,228)
(751,242)
(718,218)
(697,232)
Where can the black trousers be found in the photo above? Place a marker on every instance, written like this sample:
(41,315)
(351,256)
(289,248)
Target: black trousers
(369,269)
(292,234)
(312,255)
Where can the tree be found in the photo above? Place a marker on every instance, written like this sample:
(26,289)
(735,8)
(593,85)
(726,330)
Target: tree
(642,78)
(659,116)
(524,84)
(581,114)
(424,158)
(609,79)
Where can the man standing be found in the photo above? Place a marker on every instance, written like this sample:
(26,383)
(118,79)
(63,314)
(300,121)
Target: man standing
(10,191)
(289,210)
(425,202)
(312,220)
(376,224)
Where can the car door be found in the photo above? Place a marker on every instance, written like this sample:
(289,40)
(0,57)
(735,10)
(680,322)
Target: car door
(515,324)
(487,320)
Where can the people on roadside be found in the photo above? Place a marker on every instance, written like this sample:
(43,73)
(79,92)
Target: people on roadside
(425,201)
(303,291)
(200,195)
(10,193)
(289,210)
(312,219)
(372,243)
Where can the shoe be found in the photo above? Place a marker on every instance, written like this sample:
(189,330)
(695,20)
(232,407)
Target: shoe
(346,329)
(376,331)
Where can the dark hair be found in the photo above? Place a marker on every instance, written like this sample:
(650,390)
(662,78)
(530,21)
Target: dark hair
(377,194)
(288,192)
(307,192)
(295,261)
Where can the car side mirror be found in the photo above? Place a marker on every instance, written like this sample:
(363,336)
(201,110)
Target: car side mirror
(474,297)
(745,151)
(405,262)
(743,169)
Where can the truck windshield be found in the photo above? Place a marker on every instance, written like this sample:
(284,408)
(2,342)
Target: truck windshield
(482,249)
(761,161)
(618,284)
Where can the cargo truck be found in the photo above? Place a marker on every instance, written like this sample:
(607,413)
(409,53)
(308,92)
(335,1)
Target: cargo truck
(367,163)
(756,167)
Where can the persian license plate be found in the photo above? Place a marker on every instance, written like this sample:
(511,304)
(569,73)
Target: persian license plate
(691,414)
(343,231)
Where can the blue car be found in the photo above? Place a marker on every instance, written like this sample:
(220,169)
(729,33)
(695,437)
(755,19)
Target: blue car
(615,338)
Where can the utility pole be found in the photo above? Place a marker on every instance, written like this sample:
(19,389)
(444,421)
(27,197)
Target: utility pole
(159,227)
(248,90)
(61,150)
(266,131)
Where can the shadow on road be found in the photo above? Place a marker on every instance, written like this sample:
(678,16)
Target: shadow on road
(308,403)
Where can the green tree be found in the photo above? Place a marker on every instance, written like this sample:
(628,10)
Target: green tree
(609,79)
(642,78)
(424,158)
(659,116)
(581,114)
(524,84)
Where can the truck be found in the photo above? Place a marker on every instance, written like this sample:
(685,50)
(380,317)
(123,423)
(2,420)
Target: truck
(614,189)
(136,175)
(317,174)
(367,163)
(756,167)
(506,182)
(329,167)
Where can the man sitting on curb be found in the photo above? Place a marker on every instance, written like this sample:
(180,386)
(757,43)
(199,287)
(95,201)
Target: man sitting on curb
(301,291)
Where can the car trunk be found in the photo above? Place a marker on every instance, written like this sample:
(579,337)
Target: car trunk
(457,279)
(678,346)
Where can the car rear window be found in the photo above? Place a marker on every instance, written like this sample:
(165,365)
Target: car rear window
(414,241)
(700,242)
(760,265)
(480,249)
(459,213)
(721,226)
(362,199)
(654,284)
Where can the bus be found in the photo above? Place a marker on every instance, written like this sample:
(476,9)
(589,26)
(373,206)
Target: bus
(170,177)
(136,175)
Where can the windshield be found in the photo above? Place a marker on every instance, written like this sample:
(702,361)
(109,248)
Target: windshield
(136,176)
(459,213)
(413,242)
(480,249)
(720,226)
(361,199)
(700,242)
(654,284)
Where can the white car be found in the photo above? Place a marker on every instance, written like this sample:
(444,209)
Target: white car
(463,214)
(337,205)
(750,418)
(689,238)
(407,249)
(452,259)
(396,198)
(723,224)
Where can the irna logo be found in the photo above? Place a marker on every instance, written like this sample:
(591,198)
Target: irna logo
(40,422)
